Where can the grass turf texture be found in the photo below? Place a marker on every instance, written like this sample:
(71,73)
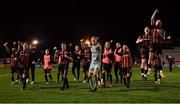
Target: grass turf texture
(139,91)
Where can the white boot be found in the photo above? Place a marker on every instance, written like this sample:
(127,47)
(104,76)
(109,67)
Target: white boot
(27,80)
(32,82)
(149,71)
(161,73)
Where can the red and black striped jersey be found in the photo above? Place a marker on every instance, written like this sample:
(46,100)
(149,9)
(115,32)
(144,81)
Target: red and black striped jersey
(147,41)
(63,57)
(126,60)
(24,58)
(157,36)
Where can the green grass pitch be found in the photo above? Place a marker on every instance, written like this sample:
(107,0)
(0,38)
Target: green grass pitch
(139,92)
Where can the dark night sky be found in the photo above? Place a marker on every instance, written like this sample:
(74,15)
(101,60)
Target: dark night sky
(53,22)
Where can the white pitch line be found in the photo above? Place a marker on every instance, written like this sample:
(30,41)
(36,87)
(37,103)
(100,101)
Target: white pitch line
(4,75)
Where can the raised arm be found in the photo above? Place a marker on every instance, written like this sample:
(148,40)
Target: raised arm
(6,47)
(82,43)
(19,46)
(139,40)
(153,16)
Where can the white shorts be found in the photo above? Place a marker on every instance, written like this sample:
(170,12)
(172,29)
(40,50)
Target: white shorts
(94,67)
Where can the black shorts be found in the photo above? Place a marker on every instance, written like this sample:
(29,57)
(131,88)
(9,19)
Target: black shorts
(126,70)
(86,67)
(157,48)
(145,54)
(60,67)
(117,65)
(14,69)
(64,68)
(47,71)
(20,71)
(107,67)
(76,64)
(158,67)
